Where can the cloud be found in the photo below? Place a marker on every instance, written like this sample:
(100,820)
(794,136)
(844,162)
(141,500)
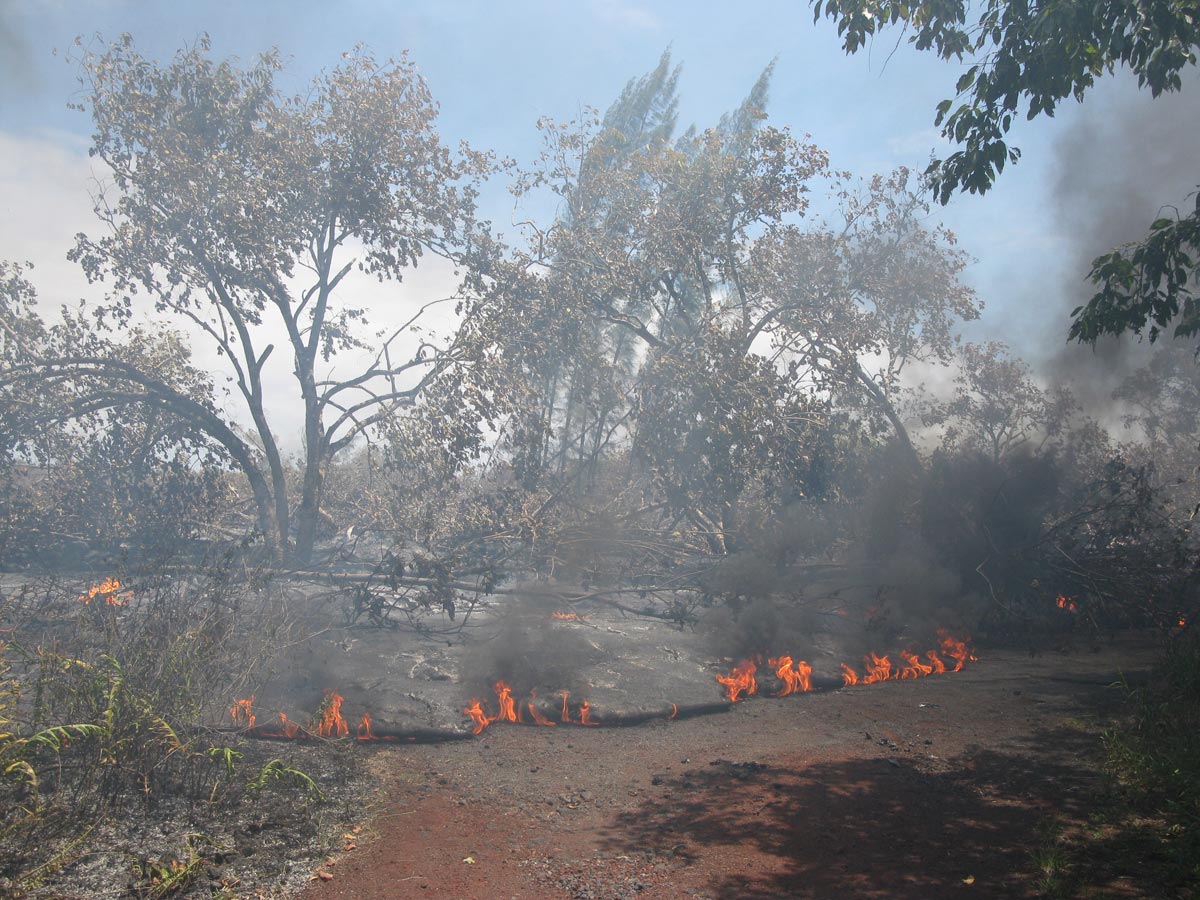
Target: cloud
(46,186)
(919,144)
(626,15)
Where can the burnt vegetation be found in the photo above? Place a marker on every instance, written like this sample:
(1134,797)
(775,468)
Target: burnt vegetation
(687,392)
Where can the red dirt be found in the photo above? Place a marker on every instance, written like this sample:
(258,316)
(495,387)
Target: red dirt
(925,789)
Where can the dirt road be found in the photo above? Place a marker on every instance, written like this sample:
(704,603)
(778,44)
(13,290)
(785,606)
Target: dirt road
(944,787)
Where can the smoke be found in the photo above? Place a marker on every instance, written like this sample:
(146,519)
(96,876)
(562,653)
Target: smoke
(16,60)
(1126,159)
(529,652)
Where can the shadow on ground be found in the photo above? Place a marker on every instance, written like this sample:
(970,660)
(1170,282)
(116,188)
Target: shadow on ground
(890,827)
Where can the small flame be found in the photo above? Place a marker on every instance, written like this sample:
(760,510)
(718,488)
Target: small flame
(1183,621)
(849,676)
(585,714)
(508,710)
(797,680)
(288,729)
(537,717)
(741,680)
(242,713)
(475,712)
(569,616)
(110,590)
(955,649)
(879,668)
(913,667)
(939,667)
(364,728)
(332,724)
(1067,603)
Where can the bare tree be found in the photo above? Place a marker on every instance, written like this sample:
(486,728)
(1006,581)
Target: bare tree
(240,211)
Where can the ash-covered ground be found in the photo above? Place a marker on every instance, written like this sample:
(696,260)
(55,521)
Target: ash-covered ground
(628,667)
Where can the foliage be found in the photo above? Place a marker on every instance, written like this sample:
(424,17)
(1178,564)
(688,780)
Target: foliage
(997,407)
(1146,286)
(689,304)
(113,707)
(277,770)
(1156,758)
(1029,57)
(1022,57)
(233,206)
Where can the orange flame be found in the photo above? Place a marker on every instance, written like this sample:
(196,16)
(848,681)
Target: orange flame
(242,712)
(913,668)
(474,711)
(332,724)
(364,728)
(585,714)
(109,589)
(1183,621)
(508,711)
(288,729)
(533,711)
(879,668)
(741,680)
(849,676)
(1067,603)
(939,667)
(797,680)
(954,648)
(569,616)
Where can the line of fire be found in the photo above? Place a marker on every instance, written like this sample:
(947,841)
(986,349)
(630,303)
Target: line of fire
(792,677)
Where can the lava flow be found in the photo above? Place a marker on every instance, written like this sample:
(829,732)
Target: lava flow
(796,677)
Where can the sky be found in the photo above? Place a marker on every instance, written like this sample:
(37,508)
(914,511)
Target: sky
(496,68)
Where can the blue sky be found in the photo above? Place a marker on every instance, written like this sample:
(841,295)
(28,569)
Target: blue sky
(495,68)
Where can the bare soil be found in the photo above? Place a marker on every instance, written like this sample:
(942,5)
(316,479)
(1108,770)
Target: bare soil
(954,785)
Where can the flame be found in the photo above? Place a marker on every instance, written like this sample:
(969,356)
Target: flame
(585,714)
(954,648)
(331,723)
(364,728)
(508,712)
(242,712)
(288,729)
(109,589)
(849,676)
(1183,621)
(797,680)
(569,616)
(537,717)
(879,668)
(474,711)
(741,680)
(1067,603)
(914,668)
(674,710)
(939,667)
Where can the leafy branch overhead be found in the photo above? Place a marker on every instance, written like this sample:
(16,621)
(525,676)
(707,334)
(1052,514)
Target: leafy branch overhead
(1025,58)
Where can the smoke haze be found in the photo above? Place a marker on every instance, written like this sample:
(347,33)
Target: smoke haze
(1126,160)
